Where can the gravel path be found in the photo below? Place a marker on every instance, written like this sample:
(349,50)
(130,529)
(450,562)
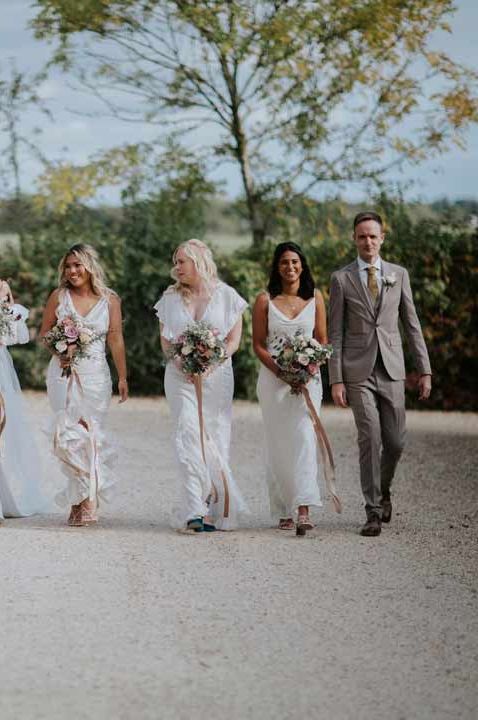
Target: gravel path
(133,620)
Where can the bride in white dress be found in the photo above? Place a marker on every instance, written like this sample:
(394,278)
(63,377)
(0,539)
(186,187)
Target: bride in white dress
(20,467)
(290,304)
(81,401)
(210,498)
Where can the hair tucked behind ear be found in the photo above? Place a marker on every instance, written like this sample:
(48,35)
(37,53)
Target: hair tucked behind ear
(204,263)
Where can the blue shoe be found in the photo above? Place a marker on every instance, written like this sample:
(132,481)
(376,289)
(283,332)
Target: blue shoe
(196,524)
(207,527)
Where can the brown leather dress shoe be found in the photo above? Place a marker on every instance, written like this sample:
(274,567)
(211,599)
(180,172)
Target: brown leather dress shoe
(386,511)
(372,527)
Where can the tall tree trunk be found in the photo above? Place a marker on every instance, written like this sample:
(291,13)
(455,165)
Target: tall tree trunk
(256,215)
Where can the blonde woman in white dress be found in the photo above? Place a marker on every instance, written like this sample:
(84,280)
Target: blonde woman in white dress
(293,471)
(20,467)
(81,401)
(210,499)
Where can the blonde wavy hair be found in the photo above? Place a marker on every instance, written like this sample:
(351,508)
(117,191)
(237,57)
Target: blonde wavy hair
(87,255)
(203,261)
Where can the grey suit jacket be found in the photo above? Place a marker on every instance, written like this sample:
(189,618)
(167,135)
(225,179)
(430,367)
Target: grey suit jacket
(357,329)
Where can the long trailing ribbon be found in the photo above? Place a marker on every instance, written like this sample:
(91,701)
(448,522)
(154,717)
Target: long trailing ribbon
(197,381)
(3,419)
(93,471)
(325,451)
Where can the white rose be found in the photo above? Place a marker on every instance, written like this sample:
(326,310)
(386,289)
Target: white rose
(310,352)
(84,338)
(61,346)
(390,280)
(303,359)
(314,342)
(186,349)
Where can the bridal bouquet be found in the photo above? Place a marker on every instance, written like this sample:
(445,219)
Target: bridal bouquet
(299,358)
(7,318)
(199,348)
(70,338)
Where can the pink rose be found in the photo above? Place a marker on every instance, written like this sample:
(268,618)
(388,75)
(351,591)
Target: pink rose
(71,332)
(313,369)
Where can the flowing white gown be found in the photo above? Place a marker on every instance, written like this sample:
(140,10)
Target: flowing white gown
(200,481)
(292,466)
(80,404)
(20,466)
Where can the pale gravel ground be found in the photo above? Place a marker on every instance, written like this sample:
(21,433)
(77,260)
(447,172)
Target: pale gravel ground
(132,620)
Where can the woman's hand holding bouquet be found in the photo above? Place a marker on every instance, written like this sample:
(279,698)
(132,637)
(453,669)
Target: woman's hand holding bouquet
(198,350)
(299,359)
(69,339)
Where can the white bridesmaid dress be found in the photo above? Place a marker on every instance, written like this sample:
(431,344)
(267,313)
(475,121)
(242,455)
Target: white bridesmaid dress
(200,481)
(292,465)
(80,404)
(20,466)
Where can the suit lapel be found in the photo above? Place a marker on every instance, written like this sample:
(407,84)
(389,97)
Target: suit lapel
(354,275)
(383,291)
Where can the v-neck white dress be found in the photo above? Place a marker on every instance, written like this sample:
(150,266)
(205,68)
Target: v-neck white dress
(199,481)
(80,404)
(292,466)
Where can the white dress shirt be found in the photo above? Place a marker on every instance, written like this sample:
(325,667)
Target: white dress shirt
(364,273)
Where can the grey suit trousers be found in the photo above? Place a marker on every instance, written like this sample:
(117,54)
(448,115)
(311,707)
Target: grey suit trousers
(378,405)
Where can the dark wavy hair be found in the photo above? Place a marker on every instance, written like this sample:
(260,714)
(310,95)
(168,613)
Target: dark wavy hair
(307,285)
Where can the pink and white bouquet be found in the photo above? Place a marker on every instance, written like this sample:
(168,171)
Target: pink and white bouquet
(70,338)
(299,358)
(198,348)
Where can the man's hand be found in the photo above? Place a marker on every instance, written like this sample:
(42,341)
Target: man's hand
(339,395)
(424,387)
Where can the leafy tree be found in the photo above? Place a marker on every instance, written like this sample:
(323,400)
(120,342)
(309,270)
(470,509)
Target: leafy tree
(18,93)
(154,226)
(299,93)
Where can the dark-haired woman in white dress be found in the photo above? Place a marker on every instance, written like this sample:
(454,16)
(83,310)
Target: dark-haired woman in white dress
(290,304)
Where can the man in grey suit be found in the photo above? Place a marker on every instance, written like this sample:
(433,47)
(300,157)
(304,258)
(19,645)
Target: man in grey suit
(367,369)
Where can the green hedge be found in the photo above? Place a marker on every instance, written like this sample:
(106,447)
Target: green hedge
(136,248)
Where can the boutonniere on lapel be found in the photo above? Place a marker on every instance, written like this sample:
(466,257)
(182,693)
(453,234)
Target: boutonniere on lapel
(389,280)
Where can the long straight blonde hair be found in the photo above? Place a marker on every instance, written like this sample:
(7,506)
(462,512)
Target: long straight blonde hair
(87,255)
(204,263)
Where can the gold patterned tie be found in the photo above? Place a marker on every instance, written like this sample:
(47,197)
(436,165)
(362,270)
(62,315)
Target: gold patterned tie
(372,283)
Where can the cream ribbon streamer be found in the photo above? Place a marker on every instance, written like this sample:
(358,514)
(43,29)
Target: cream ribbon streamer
(3,421)
(325,451)
(206,440)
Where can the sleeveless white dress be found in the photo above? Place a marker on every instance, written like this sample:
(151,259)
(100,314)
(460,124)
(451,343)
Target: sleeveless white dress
(85,453)
(20,466)
(292,466)
(200,481)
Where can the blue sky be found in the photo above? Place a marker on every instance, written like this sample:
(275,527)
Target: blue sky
(75,137)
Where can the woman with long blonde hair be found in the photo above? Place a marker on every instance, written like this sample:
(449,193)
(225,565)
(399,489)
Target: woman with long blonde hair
(79,387)
(210,498)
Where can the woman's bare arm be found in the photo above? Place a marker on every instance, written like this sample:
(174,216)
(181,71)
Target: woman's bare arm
(320,330)
(116,345)
(259,333)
